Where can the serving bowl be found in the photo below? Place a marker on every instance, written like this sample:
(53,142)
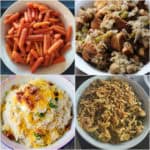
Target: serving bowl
(87,68)
(67,19)
(60,82)
(124,145)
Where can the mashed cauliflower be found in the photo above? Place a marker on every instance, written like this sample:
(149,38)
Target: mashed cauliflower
(36,113)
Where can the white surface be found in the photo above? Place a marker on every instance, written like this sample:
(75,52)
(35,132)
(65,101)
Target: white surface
(145,101)
(59,81)
(66,17)
(85,67)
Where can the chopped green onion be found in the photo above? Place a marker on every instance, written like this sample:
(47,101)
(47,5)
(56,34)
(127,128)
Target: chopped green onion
(52,105)
(41,114)
(38,136)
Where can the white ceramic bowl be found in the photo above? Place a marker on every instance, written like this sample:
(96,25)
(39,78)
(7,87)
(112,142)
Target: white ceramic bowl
(85,67)
(147,80)
(125,145)
(60,82)
(66,17)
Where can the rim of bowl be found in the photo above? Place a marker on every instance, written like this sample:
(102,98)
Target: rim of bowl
(124,145)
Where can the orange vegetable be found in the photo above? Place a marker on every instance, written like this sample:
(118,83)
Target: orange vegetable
(37,64)
(55,46)
(23,37)
(37,36)
(66,47)
(12,18)
(69,34)
(40,24)
(34,53)
(17,57)
(60,59)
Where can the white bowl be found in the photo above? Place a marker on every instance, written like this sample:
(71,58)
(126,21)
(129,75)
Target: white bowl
(147,80)
(66,17)
(60,82)
(85,67)
(124,145)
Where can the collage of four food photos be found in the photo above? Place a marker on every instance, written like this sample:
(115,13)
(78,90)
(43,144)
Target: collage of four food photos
(75,74)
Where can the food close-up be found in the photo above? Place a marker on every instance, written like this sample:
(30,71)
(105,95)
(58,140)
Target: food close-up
(75,74)
(113,35)
(36,113)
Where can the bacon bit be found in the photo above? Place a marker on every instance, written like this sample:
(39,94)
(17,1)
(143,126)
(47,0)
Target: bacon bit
(50,83)
(19,95)
(29,102)
(9,135)
(14,87)
(32,89)
(39,131)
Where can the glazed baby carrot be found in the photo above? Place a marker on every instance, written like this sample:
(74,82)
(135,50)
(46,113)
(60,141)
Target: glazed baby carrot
(60,59)
(17,57)
(66,47)
(23,37)
(36,64)
(34,53)
(69,34)
(40,24)
(12,18)
(37,36)
(55,46)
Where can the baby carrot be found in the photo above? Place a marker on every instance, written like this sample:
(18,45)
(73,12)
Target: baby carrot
(34,53)
(58,29)
(40,24)
(23,37)
(9,51)
(46,43)
(59,59)
(66,47)
(69,34)
(55,46)
(36,64)
(17,57)
(12,18)
(39,31)
(37,37)
(46,61)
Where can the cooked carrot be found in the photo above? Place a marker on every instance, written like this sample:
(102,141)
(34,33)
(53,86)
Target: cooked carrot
(39,31)
(16,26)
(28,58)
(11,30)
(26,16)
(17,57)
(69,34)
(66,47)
(53,20)
(28,47)
(23,37)
(46,43)
(47,15)
(20,26)
(36,64)
(34,53)
(29,14)
(37,37)
(40,24)
(60,59)
(12,18)
(58,29)
(15,46)
(33,13)
(57,36)
(55,46)
(37,5)
(46,61)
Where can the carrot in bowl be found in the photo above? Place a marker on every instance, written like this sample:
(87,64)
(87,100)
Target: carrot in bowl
(37,36)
